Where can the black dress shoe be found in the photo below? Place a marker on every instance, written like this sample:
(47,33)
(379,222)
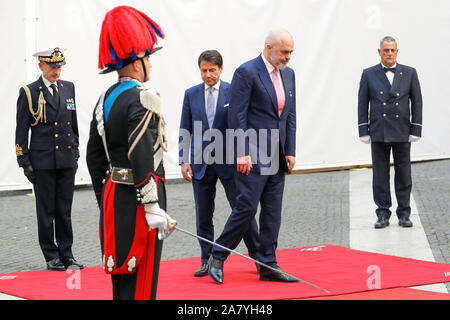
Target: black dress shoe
(271,275)
(71,263)
(382,222)
(258,267)
(405,222)
(55,265)
(202,271)
(215,270)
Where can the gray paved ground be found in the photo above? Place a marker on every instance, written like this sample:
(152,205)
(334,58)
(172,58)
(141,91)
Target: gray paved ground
(431,192)
(315,211)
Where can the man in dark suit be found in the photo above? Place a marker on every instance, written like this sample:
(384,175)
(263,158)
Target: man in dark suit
(262,104)
(49,161)
(205,110)
(392,122)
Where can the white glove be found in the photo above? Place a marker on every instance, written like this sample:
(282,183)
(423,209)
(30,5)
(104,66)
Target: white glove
(413,138)
(365,139)
(157,218)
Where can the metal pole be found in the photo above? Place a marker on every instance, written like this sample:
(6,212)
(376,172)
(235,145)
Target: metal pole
(246,257)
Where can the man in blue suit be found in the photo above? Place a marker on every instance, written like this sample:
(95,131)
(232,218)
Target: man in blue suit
(204,118)
(262,104)
(47,107)
(392,122)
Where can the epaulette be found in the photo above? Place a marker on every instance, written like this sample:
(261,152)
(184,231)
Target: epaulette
(150,100)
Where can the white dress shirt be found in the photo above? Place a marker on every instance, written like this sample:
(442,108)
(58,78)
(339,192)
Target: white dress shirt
(270,69)
(48,84)
(390,75)
(215,93)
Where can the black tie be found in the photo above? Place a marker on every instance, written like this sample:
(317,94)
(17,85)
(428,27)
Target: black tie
(389,69)
(55,92)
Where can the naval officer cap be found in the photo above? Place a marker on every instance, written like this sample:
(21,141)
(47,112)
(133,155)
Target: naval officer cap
(54,57)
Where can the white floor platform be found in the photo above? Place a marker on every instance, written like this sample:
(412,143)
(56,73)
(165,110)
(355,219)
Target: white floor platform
(393,240)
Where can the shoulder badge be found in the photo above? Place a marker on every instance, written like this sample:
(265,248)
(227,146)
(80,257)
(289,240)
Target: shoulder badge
(19,151)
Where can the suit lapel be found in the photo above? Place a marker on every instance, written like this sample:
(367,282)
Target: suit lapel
(220,103)
(382,76)
(49,100)
(398,76)
(61,94)
(267,82)
(200,102)
(287,93)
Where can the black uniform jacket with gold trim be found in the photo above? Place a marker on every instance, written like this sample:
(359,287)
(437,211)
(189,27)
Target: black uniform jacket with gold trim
(127,223)
(124,116)
(53,143)
(395,112)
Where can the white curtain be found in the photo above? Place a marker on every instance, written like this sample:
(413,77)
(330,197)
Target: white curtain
(334,41)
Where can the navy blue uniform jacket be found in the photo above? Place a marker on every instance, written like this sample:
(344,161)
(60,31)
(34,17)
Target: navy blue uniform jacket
(389,113)
(54,144)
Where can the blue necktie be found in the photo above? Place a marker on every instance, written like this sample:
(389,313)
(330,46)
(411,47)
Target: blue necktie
(210,107)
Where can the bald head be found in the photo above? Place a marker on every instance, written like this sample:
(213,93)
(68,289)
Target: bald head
(278,48)
(277,36)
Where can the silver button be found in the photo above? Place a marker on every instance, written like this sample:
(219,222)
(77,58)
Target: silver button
(384,115)
(381,92)
(398,94)
(384,103)
(396,115)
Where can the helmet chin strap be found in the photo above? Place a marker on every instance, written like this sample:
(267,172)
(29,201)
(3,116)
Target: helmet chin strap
(145,70)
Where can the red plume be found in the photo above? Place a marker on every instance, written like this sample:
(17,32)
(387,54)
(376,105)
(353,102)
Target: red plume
(125,33)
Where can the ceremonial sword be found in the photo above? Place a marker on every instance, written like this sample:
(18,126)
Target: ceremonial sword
(246,257)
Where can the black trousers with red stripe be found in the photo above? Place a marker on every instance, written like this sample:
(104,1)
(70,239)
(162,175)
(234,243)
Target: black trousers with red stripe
(142,284)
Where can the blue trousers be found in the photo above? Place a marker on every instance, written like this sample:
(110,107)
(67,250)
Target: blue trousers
(254,189)
(204,195)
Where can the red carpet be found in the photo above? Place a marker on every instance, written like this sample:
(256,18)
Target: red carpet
(336,269)
(389,294)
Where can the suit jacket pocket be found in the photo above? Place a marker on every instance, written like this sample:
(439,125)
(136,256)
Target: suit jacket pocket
(41,145)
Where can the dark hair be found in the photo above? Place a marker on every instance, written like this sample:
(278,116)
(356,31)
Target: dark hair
(212,56)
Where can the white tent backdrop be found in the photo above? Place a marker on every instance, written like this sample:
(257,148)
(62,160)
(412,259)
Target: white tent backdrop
(334,41)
